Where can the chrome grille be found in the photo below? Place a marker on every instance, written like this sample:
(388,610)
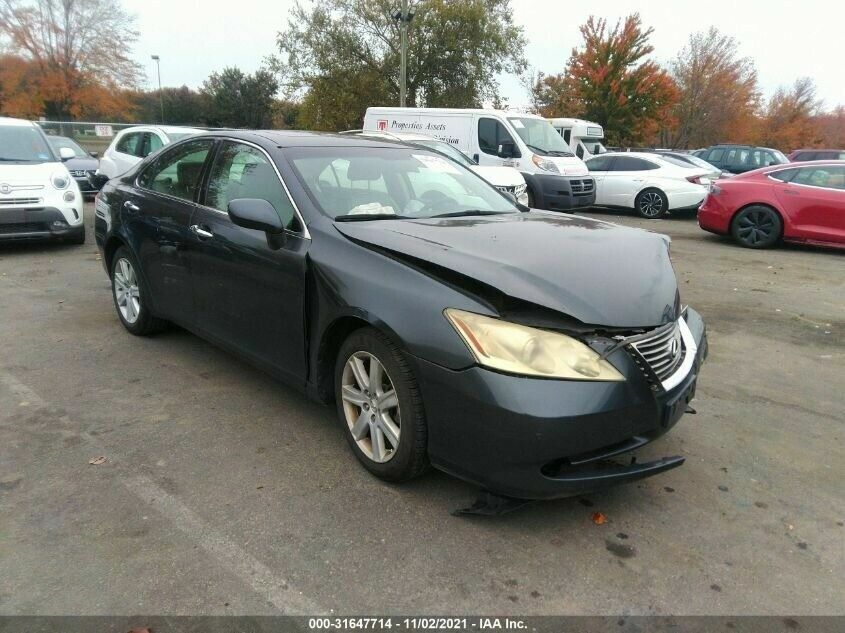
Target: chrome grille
(78,173)
(662,350)
(14,202)
(516,190)
(582,187)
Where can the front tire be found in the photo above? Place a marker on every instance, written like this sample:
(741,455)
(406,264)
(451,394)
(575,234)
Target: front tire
(379,406)
(756,226)
(131,299)
(651,204)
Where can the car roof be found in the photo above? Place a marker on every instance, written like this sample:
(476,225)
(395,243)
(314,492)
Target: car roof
(741,146)
(17,122)
(298,138)
(645,155)
(160,128)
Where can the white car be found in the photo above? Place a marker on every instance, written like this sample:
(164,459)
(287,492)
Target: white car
(505,179)
(130,146)
(38,197)
(646,183)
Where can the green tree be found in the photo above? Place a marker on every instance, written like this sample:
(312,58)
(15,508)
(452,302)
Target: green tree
(344,55)
(609,80)
(182,106)
(236,99)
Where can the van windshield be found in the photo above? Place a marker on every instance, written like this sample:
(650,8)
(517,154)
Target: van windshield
(540,136)
(378,183)
(23,144)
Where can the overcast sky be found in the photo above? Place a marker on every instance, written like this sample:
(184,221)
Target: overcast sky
(786,39)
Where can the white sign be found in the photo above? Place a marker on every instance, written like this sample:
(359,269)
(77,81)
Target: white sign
(103,130)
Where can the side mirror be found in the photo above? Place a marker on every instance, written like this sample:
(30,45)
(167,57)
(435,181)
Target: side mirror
(94,154)
(66,153)
(259,215)
(506,150)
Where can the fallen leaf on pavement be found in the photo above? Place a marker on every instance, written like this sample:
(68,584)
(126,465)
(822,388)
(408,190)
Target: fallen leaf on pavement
(141,630)
(96,461)
(599,518)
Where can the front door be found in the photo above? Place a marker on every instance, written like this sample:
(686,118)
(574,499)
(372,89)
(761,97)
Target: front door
(599,168)
(491,136)
(159,210)
(248,293)
(814,198)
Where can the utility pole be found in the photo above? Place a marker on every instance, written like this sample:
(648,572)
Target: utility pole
(157,60)
(404,15)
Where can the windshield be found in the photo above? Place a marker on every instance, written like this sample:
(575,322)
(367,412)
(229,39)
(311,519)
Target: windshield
(445,148)
(364,183)
(59,142)
(23,144)
(540,136)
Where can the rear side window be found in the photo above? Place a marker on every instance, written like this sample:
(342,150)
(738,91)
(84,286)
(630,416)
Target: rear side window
(806,156)
(242,171)
(131,144)
(491,134)
(784,175)
(825,177)
(629,163)
(177,172)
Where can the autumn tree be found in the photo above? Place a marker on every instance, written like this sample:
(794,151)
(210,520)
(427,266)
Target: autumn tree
(611,81)
(554,96)
(343,55)
(78,54)
(831,127)
(718,95)
(790,120)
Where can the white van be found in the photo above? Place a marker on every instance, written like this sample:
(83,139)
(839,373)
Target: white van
(555,177)
(584,138)
(38,197)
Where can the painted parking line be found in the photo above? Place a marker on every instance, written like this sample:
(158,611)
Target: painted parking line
(251,571)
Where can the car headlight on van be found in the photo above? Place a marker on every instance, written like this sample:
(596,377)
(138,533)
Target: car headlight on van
(545,164)
(528,351)
(60,180)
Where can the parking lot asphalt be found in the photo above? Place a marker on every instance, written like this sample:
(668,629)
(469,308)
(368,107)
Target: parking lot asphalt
(225,492)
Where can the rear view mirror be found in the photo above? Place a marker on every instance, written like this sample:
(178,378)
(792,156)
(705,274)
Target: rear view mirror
(259,215)
(66,153)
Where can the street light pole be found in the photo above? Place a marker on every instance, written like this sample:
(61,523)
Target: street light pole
(403,61)
(403,15)
(157,60)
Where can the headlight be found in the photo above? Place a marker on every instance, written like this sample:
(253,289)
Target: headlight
(518,349)
(545,164)
(60,180)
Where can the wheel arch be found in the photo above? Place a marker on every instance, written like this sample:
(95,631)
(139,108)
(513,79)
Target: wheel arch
(110,248)
(758,204)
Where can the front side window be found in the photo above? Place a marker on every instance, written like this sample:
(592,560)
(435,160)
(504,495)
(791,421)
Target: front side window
(131,143)
(23,144)
(715,155)
(243,171)
(177,172)
(362,182)
(600,163)
(492,134)
(826,177)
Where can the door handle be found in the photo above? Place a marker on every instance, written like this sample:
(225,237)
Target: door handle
(129,206)
(790,192)
(200,232)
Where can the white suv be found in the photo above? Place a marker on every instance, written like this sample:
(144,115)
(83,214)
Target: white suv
(38,197)
(132,145)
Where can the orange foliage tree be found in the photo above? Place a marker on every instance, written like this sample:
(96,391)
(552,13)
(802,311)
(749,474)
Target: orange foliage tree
(66,58)
(609,80)
(718,95)
(790,120)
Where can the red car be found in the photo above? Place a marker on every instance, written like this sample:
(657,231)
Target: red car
(795,202)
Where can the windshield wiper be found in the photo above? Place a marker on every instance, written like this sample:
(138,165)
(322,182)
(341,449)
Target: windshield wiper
(363,217)
(458,214)
(14,160)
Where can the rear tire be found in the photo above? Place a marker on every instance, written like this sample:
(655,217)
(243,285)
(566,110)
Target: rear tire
(374,415)
(757,226)
(651,204)
(130,295)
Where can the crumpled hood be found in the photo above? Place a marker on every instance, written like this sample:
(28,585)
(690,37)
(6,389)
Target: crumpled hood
(598,273)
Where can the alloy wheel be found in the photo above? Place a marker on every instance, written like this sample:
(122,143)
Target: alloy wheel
(126,292)
(371,406)
(651,204)
(756,226)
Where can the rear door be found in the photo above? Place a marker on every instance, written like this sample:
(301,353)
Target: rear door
(158,211)
(814,200)
(249,294)
(626,177)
